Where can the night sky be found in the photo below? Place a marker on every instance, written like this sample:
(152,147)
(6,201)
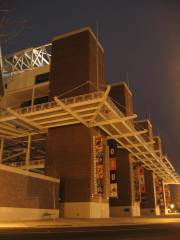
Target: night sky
(139,37)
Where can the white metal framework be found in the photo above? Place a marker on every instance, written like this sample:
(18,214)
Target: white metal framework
(36,164)
(27,59)
(92,110)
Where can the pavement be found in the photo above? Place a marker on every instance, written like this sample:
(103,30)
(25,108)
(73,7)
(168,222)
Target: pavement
(65,223)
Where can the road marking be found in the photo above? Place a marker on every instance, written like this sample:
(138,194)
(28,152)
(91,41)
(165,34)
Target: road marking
(77,231)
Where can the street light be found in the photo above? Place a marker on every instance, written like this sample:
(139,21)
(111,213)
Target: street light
(172,206)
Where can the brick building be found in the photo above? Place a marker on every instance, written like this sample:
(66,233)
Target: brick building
(60,122)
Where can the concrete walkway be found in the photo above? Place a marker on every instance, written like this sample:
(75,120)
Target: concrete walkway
(75,223)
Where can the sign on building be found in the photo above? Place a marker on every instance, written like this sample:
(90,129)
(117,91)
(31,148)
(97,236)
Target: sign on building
(113,169)
(98,149)
(135,178)
(142,184)
(160,192)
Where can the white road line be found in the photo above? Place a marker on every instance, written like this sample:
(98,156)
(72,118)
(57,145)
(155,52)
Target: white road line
(77,231)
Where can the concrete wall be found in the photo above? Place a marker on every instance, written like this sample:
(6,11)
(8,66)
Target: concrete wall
(1,83)
(25,79)
(8,214)
(20,87)
(25,197)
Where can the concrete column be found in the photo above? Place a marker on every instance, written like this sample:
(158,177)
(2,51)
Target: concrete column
(28,152)
(74,64)
(32,97)
(1,149)
(149,205)
(161,196)
(125,203)
(167,195)
(76,153)
(2,87)
(122,97)
(175,195)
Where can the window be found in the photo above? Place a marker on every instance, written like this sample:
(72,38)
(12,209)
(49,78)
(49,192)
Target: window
(42,78)
(40,100)
(26,104)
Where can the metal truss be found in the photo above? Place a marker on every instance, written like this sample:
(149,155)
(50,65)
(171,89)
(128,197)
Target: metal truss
(27,59)
(92,110)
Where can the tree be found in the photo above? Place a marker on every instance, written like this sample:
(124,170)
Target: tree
(10,28)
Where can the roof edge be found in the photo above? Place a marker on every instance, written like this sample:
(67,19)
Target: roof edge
(64,35)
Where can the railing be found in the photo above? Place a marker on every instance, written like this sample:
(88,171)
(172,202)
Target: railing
(86,99)
(52,104)
(22,163)
(160,163)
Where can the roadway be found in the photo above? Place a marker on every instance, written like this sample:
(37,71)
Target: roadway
(165,231)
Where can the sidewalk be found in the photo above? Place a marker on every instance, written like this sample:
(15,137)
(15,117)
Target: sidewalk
(77,223)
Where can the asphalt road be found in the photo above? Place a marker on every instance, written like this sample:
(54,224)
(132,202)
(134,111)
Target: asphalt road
(169,231)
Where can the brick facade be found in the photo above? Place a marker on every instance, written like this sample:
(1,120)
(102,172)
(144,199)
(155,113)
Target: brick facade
(20,191)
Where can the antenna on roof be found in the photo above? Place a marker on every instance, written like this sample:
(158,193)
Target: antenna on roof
(127,78)
(1,75)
